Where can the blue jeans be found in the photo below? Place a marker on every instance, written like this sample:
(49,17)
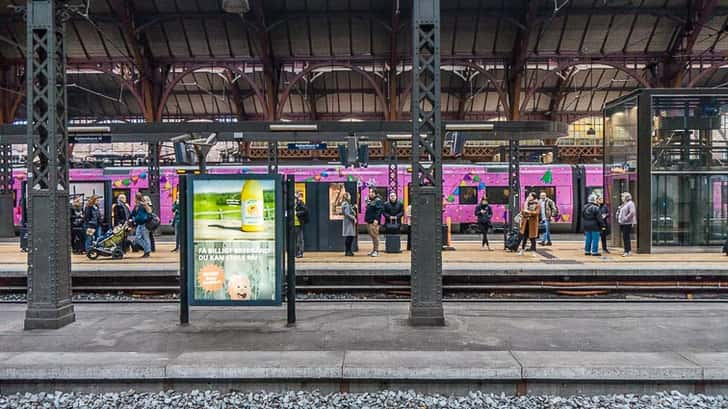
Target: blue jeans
(141,237)
(591,242)
(546,238)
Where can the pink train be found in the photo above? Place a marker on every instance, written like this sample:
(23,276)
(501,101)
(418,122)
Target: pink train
(464,185)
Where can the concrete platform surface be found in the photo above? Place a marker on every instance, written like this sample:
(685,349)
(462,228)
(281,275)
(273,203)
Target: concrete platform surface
(366,346)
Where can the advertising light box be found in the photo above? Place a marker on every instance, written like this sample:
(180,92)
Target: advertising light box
(235,230)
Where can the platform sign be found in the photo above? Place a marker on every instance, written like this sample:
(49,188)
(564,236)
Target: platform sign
(306,146)
(235,240)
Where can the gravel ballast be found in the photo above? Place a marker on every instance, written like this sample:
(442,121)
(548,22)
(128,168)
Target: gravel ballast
(385,399)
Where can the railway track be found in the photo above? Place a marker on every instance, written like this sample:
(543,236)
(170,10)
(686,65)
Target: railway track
(368,288)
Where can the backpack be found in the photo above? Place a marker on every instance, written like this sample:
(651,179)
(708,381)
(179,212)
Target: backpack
(513,239)
(555,210)
(153,222)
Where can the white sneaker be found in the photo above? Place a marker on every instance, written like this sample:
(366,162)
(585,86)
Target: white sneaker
(627,254)
(520,252)
(375,254)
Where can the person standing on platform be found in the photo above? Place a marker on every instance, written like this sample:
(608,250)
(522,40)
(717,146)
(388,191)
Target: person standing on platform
(393,211)
(348,226)
(373,217)
(152,241)
(140,216)
(605,216)
(549,212)
(92,221)
(78,238)
(484,214)
(120,211)
(299,220)
(529,221)
(175,221)
(592,220)
(627,219)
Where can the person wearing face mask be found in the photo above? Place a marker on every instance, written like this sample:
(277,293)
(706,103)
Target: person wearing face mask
(484,214)
(393,213)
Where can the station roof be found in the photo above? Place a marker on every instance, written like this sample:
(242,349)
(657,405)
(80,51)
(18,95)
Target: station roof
(332,57)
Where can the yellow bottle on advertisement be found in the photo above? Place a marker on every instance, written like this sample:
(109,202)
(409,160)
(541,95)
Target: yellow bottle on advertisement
(251,206)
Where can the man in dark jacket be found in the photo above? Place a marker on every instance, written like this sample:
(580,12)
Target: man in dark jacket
(393,211)
(593,223)
(300,218)
(78,234)
(373,216)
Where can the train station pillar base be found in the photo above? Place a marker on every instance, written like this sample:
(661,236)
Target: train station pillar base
(427,316)
(7,228)
(49,317)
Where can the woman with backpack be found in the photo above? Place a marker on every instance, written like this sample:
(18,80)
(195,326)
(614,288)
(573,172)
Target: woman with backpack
(140,217)
(484,214)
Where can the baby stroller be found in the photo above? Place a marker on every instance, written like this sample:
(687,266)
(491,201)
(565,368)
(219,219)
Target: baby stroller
(111,245)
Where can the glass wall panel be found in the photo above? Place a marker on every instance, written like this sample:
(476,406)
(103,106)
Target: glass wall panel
(620,156)
(689,210)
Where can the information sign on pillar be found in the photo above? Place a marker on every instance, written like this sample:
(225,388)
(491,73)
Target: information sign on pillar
(7,228)
(272,157)
(392,174)
(49,258)
(153,175)
(426,261)
(514,185)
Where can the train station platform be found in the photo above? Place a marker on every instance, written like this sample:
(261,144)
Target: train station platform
(516,348)
(564,258)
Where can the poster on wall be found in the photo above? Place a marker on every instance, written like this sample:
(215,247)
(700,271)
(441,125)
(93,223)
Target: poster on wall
(235,228)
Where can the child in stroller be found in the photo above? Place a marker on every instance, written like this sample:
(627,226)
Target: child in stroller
(114,244)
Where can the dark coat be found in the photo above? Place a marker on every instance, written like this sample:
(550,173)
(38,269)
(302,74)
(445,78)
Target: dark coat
(374,211)
(530,216)
(301,212)
(92,216)
(120,212)
(591,217)
(395,210)
(76,217)
(484,214)
(604,214)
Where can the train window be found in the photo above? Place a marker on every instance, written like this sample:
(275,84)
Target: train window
(550,191)
(497,195)
(468,195)
(599,191)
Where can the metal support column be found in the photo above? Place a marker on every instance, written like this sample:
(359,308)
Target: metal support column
(153,175)
(392,176)
(426,262)
(49,255)
(514,184)
(7,228)
(272,157)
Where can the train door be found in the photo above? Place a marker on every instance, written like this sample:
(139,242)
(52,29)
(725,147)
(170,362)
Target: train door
(323,200)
